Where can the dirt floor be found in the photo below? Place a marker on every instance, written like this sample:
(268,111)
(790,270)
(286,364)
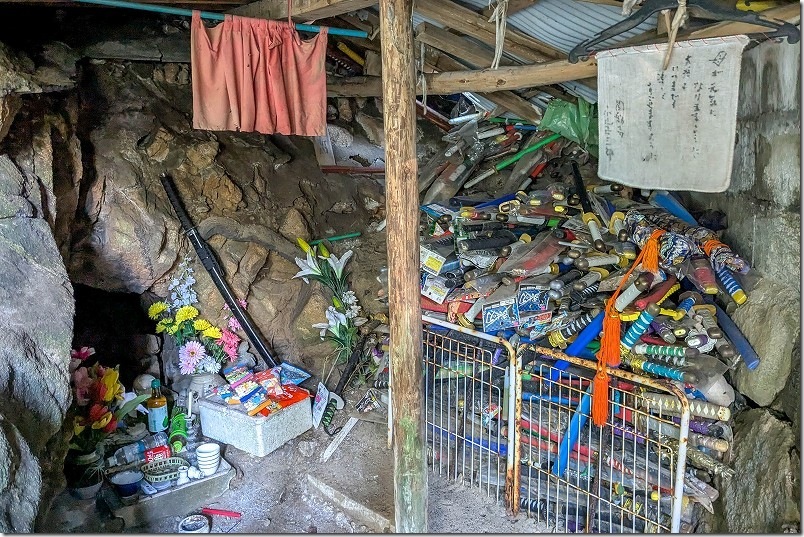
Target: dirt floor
(291,491)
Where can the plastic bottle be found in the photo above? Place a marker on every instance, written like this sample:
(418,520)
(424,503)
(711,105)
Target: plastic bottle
(157,408)
(178,433)
(136,452)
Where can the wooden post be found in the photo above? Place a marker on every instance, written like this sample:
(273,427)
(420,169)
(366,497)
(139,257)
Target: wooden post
(402,201)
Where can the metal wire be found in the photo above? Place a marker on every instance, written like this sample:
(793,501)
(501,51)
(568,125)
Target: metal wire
(467,406)
(624,477)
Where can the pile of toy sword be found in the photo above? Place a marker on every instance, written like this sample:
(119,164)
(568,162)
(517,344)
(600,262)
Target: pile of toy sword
(545,263)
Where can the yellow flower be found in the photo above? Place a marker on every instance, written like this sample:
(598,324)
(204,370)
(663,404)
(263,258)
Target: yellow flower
(324,251)
(303,245)
(110,378)
(163,325)
(156,309)
(186,313)
(337,303)
(172,329)
(103,421)
(78,427)
(201,324)
(213,332)
(120,394)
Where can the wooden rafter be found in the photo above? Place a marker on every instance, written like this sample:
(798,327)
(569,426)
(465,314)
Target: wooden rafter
(474,24)
(484,80)
(514,6)
(302,9)
(472,54)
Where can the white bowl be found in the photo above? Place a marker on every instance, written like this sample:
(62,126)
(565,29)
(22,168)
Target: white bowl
(208,448)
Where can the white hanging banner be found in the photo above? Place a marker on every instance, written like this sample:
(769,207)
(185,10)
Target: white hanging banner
(671,129)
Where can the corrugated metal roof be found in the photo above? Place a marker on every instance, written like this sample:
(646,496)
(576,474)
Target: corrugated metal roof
(562,24)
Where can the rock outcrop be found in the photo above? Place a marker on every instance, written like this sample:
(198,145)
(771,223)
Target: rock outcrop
(34,354)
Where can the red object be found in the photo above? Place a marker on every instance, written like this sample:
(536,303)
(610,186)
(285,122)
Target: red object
(258,75)
(157,453)
(221,512)
(656,293)
(538,169)
(352,170)
(652,340)
(431,305)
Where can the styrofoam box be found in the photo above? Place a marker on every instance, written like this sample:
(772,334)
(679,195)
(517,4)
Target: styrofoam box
(258,434)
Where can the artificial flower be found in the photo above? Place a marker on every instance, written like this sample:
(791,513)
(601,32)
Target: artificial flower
(338,264)
(303,245)
(81,383)
(111,426)
(186,313)
(172,329)
(78,425)
(324,252)
(309,267)
(110,382)
(213,332)
(96,412)
(201,324)
(190,354)
(103,421)
(98,391)
(83,353)
(163,325)
(156,309)
(234,324)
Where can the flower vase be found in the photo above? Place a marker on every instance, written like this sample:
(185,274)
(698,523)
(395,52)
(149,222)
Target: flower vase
(84,472)
(203,383)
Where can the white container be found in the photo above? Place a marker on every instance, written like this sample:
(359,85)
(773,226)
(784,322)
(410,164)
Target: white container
(258,434)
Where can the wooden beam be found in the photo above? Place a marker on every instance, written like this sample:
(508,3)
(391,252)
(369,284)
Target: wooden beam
(514,6)
(303,10)
(474,24)
(508,100)
(401,188)
(474,55)
(485,80)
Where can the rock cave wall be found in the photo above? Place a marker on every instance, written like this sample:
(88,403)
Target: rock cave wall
(81,151)
(763,207)
(37,312)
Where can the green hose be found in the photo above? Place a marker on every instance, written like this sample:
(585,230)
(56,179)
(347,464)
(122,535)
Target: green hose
(530,149)
(351,235)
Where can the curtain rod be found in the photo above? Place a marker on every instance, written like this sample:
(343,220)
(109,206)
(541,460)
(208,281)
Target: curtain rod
(213,16)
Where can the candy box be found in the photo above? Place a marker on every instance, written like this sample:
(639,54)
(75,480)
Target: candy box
(501,310)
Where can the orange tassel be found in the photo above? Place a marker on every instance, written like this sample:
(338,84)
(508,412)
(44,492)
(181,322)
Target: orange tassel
(609,353)
(600,397)
(650,253)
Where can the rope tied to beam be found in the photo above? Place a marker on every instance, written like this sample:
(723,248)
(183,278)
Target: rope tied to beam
(500,18)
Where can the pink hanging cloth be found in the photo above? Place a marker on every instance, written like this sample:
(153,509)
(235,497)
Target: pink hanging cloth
(257,75)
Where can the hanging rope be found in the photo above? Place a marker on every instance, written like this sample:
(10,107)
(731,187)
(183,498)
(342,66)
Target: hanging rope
(679,20)
(422,79)
(500,17)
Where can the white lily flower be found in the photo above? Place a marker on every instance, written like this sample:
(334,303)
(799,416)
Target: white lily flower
(335,317)
(323,327)
(308,267)
(338,264)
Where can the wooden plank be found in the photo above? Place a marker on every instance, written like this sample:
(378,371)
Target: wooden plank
(303,10)
(399,119)
(474,24)
(507,100)
(470,53)
(485,80)
(514,6)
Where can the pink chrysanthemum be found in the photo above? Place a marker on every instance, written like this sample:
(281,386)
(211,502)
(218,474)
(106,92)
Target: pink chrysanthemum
(234,324)
(190,354)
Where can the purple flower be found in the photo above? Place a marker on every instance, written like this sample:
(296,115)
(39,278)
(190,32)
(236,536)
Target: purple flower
(190,354)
